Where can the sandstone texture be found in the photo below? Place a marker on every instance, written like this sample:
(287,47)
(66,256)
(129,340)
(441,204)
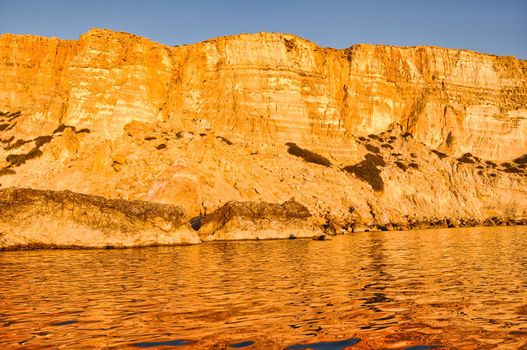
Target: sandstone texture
(36,219)
(259,220)
(367,138)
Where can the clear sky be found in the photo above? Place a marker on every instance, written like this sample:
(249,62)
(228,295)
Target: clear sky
(492,26)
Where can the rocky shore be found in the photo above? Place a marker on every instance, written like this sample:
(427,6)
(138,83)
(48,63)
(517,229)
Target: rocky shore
(62,219)
(37,219)
(259,220)
(415,223)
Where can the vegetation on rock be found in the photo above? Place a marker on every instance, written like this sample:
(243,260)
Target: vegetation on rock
(225,140)
(307,155)
(401,165)
(439,154)
(468,158)
(521,160)
(372,148)
(368,171)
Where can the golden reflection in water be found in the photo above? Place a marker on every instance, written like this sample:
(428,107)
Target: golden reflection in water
(455,288)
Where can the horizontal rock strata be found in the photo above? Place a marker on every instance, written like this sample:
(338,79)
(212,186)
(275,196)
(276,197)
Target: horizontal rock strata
(270,88)
(33,219)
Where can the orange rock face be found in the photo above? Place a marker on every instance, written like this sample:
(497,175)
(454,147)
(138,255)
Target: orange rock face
(271,88)
(199,125)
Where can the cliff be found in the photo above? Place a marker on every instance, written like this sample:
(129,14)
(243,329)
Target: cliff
(364,137)
(271,88)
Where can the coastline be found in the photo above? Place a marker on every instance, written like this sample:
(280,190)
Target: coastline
(36,219)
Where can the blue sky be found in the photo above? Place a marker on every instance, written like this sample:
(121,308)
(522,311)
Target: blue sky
(497,27)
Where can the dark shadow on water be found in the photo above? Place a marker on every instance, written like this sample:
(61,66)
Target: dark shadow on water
(242,344)
(64,323)
(376,298)
(329,345)
(151,344)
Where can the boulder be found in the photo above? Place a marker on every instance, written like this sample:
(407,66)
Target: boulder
(32,218)
(259,220)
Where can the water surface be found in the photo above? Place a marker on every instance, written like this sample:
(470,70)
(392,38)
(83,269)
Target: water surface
(430,289)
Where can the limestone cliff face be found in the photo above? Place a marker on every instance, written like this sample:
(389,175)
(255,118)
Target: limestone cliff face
(366,136)
(267,89)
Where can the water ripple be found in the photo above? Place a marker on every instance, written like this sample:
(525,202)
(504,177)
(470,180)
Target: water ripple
(434,289)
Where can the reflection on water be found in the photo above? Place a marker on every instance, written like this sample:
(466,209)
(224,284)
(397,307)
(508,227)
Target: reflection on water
(326,345)
(434,289)
(243,344)
(154,344)
(64,323)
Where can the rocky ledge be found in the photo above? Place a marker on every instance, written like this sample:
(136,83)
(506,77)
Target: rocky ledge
(32,218)
(259,220)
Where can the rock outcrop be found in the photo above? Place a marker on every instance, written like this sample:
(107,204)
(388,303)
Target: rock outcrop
(35,219)
(370,137)
(259,220)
